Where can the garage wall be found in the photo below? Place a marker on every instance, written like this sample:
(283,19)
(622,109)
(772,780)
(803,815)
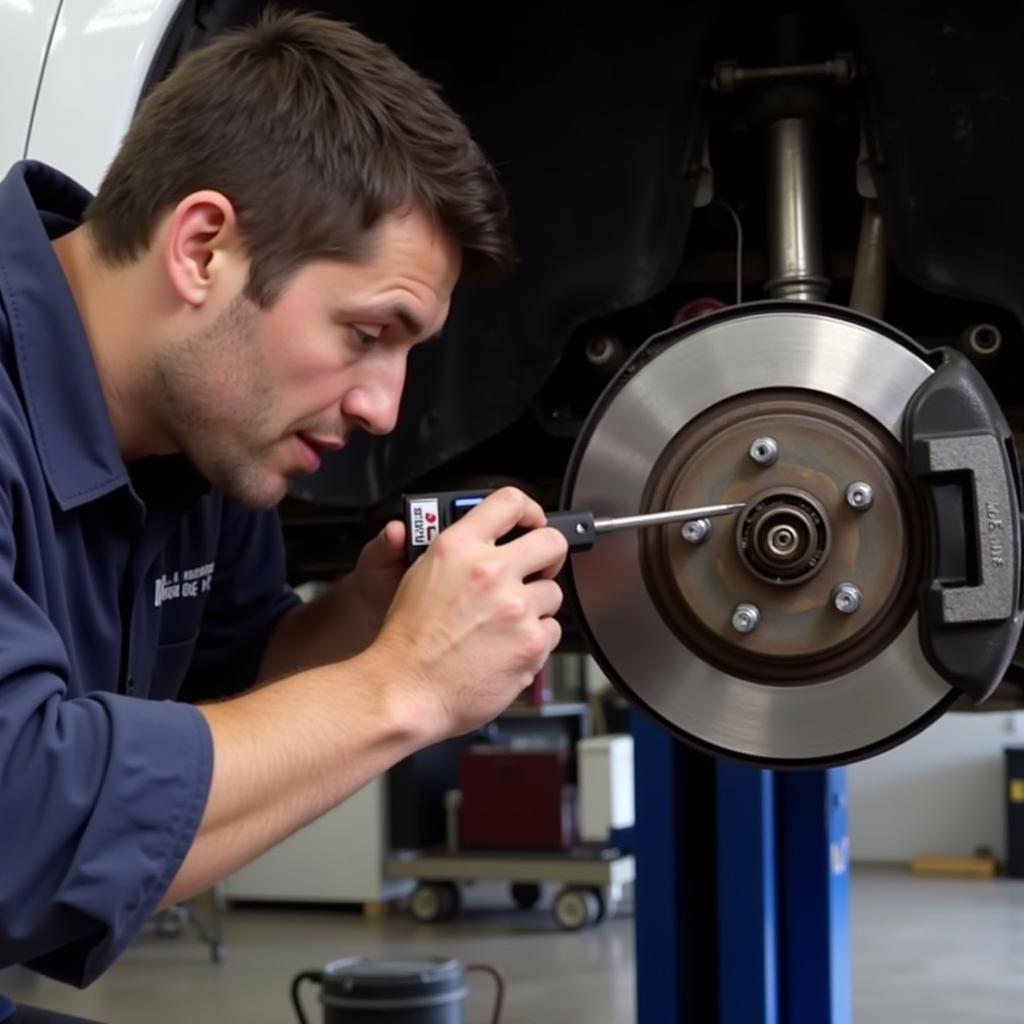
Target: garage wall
(941,792)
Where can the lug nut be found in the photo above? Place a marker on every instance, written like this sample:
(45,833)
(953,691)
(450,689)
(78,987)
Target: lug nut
(765,451)
(746,618)
(860,496)
(846,598)
(696,531)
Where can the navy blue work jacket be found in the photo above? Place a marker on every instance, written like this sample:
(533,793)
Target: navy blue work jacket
(118,586)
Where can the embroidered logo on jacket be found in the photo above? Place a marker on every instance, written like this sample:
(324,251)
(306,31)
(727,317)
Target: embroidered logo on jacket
(187,583)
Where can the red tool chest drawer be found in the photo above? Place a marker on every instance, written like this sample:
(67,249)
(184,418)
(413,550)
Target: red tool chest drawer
(516,799)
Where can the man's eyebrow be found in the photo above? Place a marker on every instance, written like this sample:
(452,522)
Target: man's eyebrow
(395,311)
(409,320)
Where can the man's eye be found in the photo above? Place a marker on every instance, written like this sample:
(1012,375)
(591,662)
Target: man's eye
(366,334)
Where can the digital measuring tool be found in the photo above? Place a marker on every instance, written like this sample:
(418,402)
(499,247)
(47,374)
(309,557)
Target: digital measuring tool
(426,515)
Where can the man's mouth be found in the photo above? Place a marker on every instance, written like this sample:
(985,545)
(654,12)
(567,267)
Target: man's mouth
(311,449)
(322,444)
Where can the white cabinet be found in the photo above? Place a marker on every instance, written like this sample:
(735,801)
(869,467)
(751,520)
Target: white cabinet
(605,769)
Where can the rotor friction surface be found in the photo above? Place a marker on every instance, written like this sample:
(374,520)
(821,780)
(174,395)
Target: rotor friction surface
(877,687)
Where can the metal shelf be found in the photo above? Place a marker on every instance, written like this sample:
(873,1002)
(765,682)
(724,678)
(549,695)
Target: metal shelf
(545,711)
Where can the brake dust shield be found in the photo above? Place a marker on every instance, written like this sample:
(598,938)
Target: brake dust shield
(809,684)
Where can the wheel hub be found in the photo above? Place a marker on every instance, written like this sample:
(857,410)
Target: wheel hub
(783,537)
(796,541)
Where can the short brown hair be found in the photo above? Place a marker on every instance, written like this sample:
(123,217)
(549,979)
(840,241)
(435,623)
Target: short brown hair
(313,132)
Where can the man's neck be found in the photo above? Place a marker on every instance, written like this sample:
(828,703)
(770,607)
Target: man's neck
(110,302)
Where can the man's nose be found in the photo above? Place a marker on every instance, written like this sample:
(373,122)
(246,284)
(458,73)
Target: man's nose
(385,418)
(374,406)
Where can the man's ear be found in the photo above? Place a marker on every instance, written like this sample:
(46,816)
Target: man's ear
(201,245)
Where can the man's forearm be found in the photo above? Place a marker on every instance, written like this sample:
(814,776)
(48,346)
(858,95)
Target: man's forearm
(286,753)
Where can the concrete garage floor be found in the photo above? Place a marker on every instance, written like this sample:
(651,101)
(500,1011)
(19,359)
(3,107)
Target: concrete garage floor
(926,951)
(937,951)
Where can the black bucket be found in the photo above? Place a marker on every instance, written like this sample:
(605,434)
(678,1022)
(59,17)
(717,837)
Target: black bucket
(361,991)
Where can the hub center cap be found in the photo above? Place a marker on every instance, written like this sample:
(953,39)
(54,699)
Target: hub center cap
(783,536)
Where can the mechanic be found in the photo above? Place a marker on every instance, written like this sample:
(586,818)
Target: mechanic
(286,219)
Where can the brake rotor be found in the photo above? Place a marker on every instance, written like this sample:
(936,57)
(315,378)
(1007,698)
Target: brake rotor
(787,635)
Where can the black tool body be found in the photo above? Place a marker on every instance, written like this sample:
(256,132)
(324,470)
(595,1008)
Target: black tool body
(426,515)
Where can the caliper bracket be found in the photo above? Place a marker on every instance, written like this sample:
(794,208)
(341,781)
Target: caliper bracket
(962,459)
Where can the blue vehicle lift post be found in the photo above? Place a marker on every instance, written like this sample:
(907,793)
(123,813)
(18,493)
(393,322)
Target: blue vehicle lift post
(742,892)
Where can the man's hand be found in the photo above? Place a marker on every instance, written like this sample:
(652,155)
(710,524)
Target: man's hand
(464,631)
(370,587)
(473,621)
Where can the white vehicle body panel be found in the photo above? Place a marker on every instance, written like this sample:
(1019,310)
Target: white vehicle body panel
(25,30)
(99,59)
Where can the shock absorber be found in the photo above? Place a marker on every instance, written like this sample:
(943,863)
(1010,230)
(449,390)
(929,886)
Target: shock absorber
(796,259)
(788,103)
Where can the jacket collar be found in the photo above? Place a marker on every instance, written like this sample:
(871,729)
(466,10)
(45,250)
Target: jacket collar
(63,397)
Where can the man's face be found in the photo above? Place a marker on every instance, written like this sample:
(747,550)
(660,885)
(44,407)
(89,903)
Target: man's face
(259,395)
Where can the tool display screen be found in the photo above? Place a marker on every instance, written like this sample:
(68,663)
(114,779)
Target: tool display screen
(460,506)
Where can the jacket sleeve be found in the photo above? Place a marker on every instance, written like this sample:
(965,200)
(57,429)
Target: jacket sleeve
(100,798)
(248,598)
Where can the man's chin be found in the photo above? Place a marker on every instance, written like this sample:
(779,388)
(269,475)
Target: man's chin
(255,491)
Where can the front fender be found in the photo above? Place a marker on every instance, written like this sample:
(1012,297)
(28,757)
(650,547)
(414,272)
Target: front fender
(25,33)
(98,64)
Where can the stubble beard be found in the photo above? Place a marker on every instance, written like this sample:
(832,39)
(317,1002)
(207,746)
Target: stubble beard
(214,397)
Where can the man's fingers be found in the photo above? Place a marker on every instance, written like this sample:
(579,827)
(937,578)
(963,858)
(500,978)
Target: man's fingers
(393,536)
(540,552)
(388,546)
(501,512)
(549,572)
(545,596)
(554,632)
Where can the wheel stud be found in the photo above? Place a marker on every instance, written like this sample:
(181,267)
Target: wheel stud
(746,618)
(765,451)
(860,496)
(846,598)
(696,531)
